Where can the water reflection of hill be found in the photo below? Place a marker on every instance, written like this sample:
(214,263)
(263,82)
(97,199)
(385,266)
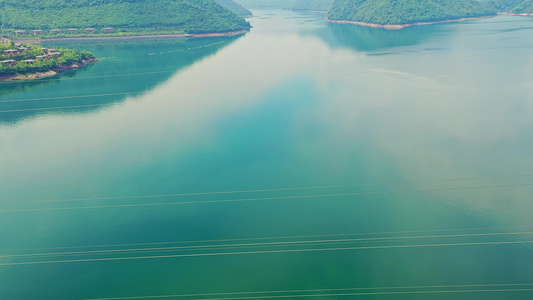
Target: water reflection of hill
(363,38)
(125,67)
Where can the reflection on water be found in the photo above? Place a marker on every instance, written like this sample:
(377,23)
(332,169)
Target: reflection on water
(364,38)
(7,88)
(138,68)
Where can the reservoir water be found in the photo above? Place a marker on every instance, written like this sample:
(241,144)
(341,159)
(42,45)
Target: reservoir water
(303,160)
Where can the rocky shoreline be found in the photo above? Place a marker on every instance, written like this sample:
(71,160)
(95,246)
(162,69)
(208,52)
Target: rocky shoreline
(400,26)
(50,73)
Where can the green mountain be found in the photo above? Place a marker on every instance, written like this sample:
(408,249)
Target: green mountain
(307,5)
(398,12)
(234,7)
(513,6)
(188,16)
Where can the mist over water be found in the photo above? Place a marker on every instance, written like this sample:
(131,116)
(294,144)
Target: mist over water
(295,103)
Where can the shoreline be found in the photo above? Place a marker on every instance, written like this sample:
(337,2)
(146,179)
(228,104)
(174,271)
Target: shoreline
(49,73)
(400,26)
(135,37)
(515,14)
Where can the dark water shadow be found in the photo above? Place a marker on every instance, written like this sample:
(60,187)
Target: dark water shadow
(125,69)
(362,38)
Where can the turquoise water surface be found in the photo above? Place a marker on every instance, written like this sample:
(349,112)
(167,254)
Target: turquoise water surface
(303,160)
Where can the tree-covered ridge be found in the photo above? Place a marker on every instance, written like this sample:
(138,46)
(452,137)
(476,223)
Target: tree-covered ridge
(513,6)
(31,59)
(307,5)
(189,16)
(398,12)
(234,7)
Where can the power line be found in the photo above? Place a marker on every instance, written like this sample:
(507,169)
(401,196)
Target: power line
(263,199)
(276,190)
(378,293)
(90,77)
(57,107)
(298,243)
(269,238)
(322,290)
(224,85)
(71,97)
(174,70)
(266,252)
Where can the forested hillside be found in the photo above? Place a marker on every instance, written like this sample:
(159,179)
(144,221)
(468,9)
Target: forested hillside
(513,6)
(234,7)
(189,16)
(398,12)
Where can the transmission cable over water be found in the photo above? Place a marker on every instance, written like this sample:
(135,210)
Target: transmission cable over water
(374,293)
(323,290)
(263,199)
(290,243)
(269,252)
(222,67)
(224,85)
(279,189)
(274,238)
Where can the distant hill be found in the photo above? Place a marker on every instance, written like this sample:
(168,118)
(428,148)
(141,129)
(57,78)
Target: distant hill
(188,16)
(307,5)
(513,6)
(234,7)
(399,12)
(262,3)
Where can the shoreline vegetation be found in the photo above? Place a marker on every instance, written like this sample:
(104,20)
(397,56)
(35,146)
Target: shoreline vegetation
(66,19)
(27,61)
(133,37)
(50,73)
(400,26)
(398,14)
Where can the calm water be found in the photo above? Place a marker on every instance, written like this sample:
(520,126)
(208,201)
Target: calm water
(377,121)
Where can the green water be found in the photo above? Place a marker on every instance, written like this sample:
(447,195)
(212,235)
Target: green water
(297,102)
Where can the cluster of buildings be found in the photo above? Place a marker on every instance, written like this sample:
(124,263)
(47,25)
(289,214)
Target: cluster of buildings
(60,31)
(47,54)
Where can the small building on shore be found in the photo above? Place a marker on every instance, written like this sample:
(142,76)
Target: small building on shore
(45,56)
(45,50)
(38,32)
(53,51)
(30,61)
(108,30)
(20,32)
(90,30)
(72,30)
(10,52)
(9,62)
(56,31)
